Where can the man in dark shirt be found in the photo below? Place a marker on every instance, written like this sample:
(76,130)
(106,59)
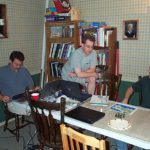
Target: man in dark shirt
(14,80)
(142,86)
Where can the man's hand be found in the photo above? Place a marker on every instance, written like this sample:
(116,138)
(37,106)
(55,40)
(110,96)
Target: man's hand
(72,74)
(36,88)
(5,98)
(125,101)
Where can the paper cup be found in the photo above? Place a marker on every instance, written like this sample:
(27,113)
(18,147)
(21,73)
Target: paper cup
(35,96)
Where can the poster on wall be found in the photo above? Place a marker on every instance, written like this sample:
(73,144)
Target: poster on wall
(130,29)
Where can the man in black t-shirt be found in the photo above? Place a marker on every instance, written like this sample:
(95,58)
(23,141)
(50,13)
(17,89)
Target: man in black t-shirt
(142,86)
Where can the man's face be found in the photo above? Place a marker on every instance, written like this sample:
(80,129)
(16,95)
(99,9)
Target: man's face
(130,27)
(87,47)
(16,64)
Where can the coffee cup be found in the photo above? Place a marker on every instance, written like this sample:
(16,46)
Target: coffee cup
(35,96)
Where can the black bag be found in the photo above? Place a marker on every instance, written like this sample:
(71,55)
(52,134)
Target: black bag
(73,90)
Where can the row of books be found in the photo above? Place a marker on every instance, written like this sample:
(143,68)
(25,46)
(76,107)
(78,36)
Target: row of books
(86,25)
(62,31)
(56,18)
(103,58)
(101,35)
(61,50)
(53,15)
(56,69)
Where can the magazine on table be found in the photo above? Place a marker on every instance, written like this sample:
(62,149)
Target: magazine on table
(123,108)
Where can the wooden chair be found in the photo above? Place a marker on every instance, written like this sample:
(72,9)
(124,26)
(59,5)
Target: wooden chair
(18,125)
(109,85)
(73,140)
(47,127)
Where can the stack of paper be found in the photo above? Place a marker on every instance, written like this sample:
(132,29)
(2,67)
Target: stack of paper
(99,100)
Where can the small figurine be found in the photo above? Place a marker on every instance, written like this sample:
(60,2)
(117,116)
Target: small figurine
(75,14)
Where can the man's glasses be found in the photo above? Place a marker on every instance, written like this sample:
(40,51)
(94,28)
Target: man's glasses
(88,46)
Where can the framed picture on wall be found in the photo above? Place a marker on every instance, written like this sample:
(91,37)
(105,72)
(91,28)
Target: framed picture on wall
(130,29)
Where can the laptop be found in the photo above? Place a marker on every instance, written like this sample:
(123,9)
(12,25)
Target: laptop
(18,96)
(85,114)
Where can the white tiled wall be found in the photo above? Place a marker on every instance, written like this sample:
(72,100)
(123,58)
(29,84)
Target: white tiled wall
(25,30)
(134,54)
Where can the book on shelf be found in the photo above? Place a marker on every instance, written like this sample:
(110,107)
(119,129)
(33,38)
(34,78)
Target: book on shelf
(56,18)
(103,57)
(56,31)
(108,32)
(61,50)
(62,31)
(56,68)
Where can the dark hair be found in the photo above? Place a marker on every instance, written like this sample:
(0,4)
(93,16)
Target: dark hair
(16,55)
(88,37)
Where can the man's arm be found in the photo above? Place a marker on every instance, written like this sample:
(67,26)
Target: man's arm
(127,95)
(85,74)
(73,74)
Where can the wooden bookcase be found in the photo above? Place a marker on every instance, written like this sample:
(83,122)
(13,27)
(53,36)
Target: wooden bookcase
(3,21)
(111,48)
(59,38)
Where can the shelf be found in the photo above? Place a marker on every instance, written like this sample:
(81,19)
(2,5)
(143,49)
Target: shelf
(57,60)
(61,23)
(62,40)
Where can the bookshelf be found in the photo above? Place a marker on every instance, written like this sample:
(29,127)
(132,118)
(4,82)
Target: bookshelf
(61,41)
(3,21)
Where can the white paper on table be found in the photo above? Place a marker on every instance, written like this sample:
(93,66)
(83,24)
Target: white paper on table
(98,99)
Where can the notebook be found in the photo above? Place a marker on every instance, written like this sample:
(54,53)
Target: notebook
(85,114)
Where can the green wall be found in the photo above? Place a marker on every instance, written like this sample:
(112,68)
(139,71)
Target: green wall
(36,79)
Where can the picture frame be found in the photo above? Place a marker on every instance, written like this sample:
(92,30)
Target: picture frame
(130,29)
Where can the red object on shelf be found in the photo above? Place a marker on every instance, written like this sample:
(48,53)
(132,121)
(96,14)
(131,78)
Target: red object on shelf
(62,6)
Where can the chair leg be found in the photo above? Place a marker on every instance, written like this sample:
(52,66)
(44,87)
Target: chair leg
(41,146)
(130,147)
(23,119)
(6,124)
(17,127)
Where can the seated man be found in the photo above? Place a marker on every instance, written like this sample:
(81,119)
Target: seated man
(81,66)
(142,86)
(14,79)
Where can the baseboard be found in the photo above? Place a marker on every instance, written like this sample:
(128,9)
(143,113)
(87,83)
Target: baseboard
(2,123)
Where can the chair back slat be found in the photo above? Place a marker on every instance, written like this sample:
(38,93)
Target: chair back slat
(140,93)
